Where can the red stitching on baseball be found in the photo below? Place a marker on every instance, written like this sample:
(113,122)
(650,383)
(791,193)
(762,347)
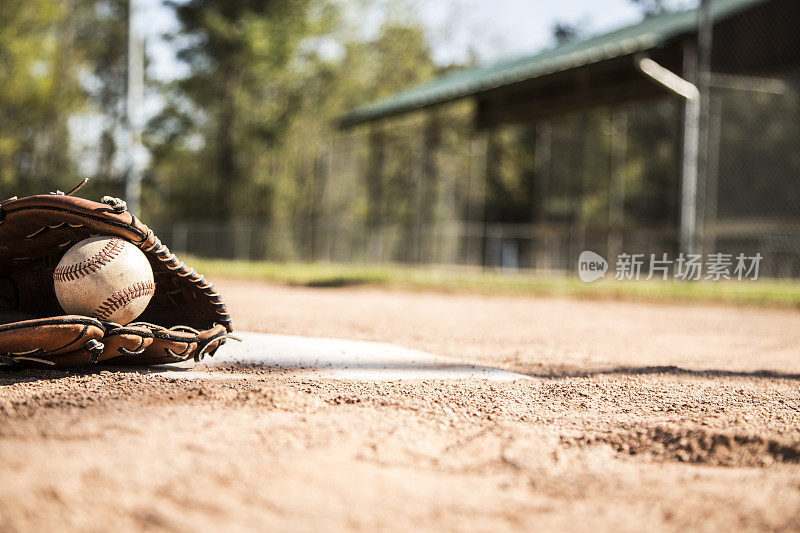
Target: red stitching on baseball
(123,298)
(77,270)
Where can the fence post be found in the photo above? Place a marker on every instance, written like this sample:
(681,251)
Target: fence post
(616,194)
(242,241)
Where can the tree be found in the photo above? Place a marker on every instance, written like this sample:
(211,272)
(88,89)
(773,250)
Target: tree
(103,40)
(236,50)
(247,134)
(39,90)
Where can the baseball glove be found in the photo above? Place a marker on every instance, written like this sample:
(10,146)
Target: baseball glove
(186,317)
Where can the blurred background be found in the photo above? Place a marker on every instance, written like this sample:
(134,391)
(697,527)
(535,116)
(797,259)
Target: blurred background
(504,134)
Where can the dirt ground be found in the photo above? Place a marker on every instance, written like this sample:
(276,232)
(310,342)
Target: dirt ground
(639,416)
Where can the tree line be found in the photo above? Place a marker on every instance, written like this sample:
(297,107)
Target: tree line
(238,137)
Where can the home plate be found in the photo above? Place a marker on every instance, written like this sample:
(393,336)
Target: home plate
(338,359)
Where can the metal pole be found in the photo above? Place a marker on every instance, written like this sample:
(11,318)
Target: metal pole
(616,193)
(467,230)
(698,67)
(712,173)
(544,164)
(328,201)
(704,43)
(691,138)
(133,178)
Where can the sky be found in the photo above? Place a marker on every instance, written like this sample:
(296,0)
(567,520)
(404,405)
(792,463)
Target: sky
(498,29)
(488,29)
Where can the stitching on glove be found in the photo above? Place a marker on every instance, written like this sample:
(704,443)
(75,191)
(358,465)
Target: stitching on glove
(72,272)
(122,298)
(182,356)
(54,226)
(210,347)
(139,350)
(15,358)
(180,268)
(21,358)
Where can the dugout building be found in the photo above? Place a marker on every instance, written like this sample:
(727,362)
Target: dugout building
(677,134)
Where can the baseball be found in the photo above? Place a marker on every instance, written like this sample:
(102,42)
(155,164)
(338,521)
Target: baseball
(106,278)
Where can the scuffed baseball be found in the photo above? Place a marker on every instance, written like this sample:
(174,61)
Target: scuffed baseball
(106,278)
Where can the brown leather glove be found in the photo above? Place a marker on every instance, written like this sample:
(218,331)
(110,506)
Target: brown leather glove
(186,317)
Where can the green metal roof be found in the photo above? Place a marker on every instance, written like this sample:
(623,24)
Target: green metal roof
(652,32)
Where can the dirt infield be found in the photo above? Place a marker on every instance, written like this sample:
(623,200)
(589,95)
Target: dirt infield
(640,416)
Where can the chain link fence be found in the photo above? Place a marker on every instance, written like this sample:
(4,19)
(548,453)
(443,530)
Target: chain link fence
(534,196)
(429,187)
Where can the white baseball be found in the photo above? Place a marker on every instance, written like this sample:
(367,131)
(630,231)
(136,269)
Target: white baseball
(107,278)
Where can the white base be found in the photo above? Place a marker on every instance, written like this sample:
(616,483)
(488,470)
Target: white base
(340,359)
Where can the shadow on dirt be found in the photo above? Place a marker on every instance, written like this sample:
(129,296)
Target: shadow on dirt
(20,374)
(698,446)
(350,370)
(333,283)
(456,370)
(567,371)
(11,375)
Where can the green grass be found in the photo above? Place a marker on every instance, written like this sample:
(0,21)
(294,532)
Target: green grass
(772,293)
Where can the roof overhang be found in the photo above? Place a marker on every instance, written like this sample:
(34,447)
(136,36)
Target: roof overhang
(600,70)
